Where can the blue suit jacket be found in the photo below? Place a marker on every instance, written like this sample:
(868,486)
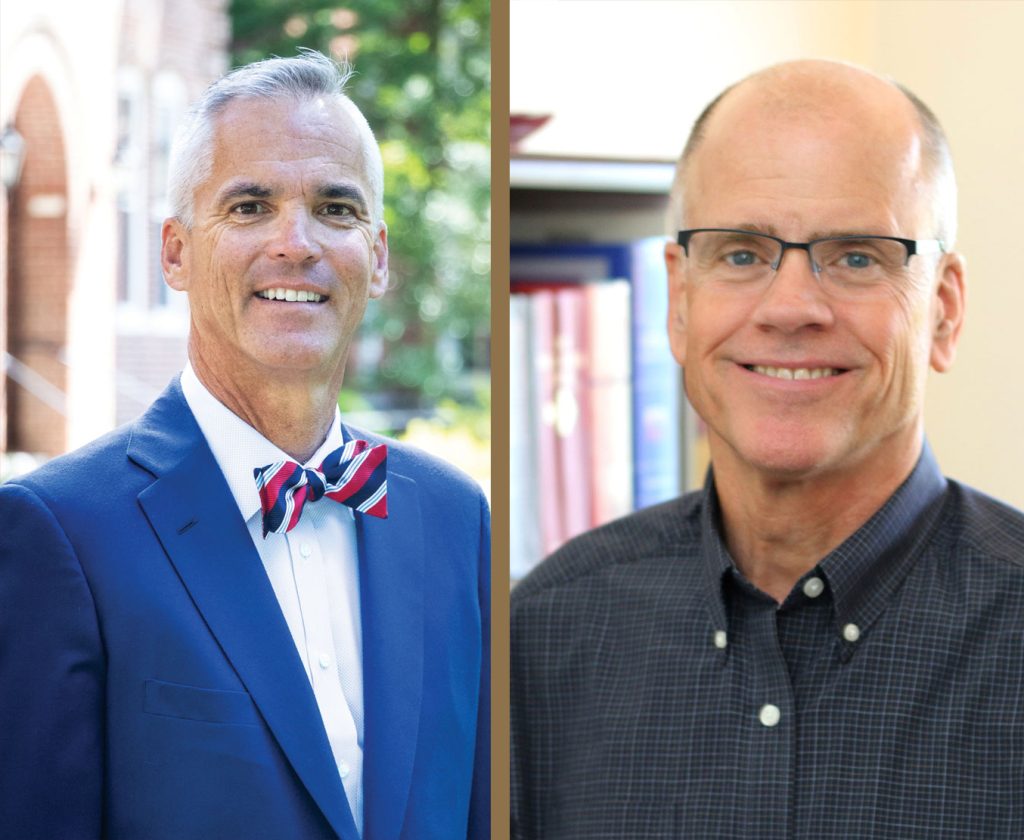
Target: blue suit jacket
(150,688)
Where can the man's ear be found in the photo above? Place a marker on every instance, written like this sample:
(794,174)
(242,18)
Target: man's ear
(379,265)
(674,263)
(948,316)
(173,245)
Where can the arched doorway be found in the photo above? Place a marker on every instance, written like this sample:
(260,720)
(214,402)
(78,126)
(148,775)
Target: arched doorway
(39,264)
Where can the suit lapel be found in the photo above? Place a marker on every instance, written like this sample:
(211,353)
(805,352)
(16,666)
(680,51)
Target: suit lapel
(392,591)
(197,521)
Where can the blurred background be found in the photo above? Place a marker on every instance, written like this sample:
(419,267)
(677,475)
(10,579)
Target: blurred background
(603,95)
(90,95)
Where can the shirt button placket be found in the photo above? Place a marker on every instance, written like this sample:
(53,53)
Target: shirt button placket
(772,728)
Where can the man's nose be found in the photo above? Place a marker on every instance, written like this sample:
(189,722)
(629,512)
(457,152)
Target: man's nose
(794,298)
(294,238)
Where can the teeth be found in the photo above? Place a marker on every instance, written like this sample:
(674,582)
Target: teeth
(290,295)
(794,373)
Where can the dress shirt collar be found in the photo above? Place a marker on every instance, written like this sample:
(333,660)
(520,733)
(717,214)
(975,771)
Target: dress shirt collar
(863,572)
(238,447)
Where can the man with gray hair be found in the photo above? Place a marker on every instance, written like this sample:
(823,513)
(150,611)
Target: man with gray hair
(828,639)
(215,621)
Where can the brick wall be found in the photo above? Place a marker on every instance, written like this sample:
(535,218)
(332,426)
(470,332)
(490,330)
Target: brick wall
(39,271)
(192,39)
(145,364)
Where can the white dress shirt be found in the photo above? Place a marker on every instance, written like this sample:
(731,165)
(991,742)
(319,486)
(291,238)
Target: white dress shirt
(314,571)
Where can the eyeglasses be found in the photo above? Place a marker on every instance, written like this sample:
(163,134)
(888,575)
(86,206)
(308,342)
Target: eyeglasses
(852,264)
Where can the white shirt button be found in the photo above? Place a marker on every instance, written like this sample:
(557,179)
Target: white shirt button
(813,587)
(851,632)
(769,715)
(325,661)
(343,769)
(305,550)
(721,639)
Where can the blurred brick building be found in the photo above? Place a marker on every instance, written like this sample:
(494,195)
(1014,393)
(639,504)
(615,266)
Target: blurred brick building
(90,94)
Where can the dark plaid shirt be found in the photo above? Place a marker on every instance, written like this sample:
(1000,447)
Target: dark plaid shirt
(657,694)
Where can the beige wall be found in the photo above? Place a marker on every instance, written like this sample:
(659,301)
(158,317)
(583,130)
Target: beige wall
(965,60)
(627,79)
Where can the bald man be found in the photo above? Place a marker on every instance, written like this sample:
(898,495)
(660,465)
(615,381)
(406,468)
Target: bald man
(828,639)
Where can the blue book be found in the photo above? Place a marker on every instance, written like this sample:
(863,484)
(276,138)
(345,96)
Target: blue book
(568,263)
(657,381)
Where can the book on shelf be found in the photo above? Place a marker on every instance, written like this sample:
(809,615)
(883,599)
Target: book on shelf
(657,382)
(609,415)
(524,500)
(596,396)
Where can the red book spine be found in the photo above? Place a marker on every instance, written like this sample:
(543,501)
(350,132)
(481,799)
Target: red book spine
(542,317)
(609,421)
(571,410)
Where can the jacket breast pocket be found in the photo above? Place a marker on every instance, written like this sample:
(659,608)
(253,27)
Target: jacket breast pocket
(193,703)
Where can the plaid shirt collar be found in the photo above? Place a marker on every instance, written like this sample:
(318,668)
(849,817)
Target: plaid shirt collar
(861,574)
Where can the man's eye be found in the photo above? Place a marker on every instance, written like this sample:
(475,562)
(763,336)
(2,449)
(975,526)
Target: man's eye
(856,260)
(248,208)
(741,258)
(338,210)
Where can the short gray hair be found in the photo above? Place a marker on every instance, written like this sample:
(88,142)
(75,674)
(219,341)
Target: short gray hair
(937,157)
(306,77)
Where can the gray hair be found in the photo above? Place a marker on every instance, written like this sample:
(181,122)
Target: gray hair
(306,77)
(938,161)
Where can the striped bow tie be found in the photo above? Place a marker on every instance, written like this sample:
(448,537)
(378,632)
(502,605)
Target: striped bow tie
(355,475)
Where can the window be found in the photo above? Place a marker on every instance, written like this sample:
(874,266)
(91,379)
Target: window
(169,104)
(129,168)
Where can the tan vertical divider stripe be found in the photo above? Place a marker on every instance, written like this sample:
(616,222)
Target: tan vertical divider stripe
(499,418)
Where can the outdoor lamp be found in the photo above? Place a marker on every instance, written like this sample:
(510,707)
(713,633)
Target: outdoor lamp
(12,156)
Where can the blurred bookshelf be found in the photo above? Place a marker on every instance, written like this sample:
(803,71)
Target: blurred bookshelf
(600,425)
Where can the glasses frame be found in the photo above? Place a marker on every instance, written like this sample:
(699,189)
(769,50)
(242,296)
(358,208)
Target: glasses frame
(923,247)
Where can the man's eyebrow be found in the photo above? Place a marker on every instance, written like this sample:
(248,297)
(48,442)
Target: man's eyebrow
(830,233)
(838,233)
(343,191)
(769,229)
(245,189)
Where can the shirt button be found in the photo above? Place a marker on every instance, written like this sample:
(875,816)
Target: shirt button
(851,632)
(325,661)
(343,769)
(721,639)
(813,587)
(769,715)
(305,550)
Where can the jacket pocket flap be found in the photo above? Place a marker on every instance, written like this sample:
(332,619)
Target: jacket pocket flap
(193,703)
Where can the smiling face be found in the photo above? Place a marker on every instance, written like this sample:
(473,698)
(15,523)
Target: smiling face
(285,213)
(792,380)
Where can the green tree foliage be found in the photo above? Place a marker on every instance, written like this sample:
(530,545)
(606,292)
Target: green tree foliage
(423,81)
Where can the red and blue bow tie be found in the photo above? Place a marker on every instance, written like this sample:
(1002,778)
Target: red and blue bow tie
(355,475)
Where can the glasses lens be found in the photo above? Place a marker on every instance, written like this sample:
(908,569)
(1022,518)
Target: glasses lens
(860,262)
(731,256)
